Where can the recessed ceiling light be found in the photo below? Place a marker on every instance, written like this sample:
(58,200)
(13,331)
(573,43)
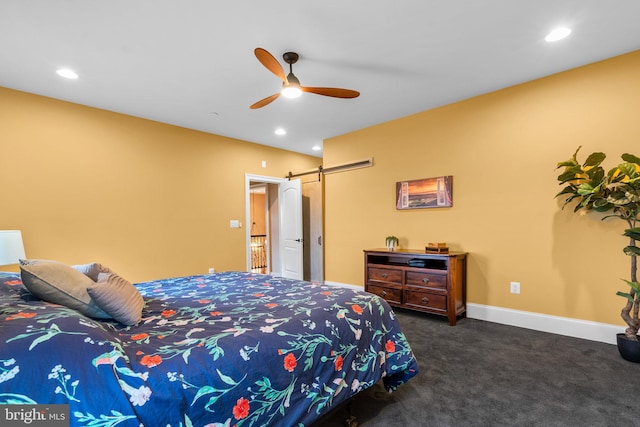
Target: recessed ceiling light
(316,148)
(558,34)
(67,73)
(281,131)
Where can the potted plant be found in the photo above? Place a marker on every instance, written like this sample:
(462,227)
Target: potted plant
(616,193)
(391,242)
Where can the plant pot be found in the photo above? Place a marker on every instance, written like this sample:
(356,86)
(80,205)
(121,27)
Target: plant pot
(629,350)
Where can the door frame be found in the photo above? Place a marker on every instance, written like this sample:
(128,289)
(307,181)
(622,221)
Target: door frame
(248,179)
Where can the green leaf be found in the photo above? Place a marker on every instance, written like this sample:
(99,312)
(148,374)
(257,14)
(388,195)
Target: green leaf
(595,159)
(580,206)
(569,199)
(633,285)
(567,164)
(202,391)
(585,189)
(569,175)
(627,169)
(185,355)
(611,216)
(625,295)
(569,189)
(620,189)
(633,196)
(618,201)
(16,399)
(586,201)
(610,175)
(226,378)
(596,174)
(631,158)
(575,154)
(632,250)
(633,233)
(38,340)
(264,383)
(601,205)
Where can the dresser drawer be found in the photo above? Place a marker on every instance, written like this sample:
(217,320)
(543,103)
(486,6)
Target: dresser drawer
(393,295)
(427,280)
(425,300)
(385,275)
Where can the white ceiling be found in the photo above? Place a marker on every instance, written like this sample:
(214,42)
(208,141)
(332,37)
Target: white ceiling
(191,63)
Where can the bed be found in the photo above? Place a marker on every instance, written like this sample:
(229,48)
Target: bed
(223,349)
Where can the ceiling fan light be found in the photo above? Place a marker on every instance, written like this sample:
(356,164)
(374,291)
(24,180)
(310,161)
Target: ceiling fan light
(291,91)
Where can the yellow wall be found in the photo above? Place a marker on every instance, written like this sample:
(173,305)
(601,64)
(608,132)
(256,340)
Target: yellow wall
(147,199)
(258,216)
(502,149)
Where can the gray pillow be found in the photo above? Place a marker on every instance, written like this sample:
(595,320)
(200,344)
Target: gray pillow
(58,283)
(92,270)
(118,297)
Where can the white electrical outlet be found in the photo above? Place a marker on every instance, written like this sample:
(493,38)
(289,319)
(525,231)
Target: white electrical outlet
(212,270)
(515,287)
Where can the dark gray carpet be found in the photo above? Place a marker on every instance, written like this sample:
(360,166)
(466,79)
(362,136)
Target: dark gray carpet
(486,374)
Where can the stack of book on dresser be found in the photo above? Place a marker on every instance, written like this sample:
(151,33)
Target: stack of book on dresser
(436,248)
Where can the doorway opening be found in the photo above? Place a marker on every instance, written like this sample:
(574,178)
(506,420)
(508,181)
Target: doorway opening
(263,237)
(258,226)
(268,218)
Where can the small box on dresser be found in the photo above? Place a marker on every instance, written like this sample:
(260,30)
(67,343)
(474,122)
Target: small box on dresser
(434,283)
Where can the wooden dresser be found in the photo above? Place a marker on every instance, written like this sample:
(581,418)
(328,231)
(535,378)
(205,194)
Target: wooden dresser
(434,283)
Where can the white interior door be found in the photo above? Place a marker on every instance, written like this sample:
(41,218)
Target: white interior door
(291,244)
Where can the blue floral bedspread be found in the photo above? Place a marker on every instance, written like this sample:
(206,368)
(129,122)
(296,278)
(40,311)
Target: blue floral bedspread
(214,350)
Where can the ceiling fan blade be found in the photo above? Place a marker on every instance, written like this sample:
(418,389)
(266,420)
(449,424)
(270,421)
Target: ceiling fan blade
(332,91)
(268,100)
(270,63)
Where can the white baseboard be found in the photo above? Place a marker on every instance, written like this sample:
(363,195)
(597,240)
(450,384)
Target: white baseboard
(594,331)
(344,285)
(584,329)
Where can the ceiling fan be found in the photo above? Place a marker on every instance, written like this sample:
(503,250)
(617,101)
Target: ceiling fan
(291,87)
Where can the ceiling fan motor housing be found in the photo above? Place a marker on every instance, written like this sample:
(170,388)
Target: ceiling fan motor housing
(291,79)
(290,57)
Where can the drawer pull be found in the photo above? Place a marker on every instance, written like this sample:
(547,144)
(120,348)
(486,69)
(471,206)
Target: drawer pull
(385,275)
(383,294)
(425,300)
(425,280)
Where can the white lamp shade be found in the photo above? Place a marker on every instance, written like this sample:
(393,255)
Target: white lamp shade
(11,247)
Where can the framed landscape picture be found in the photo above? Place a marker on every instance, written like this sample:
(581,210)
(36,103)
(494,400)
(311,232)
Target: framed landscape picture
(425,193)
